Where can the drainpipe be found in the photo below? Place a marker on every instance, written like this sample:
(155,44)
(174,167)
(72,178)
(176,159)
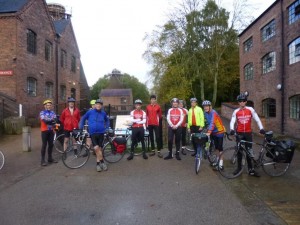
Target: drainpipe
(56,71)
(282,67)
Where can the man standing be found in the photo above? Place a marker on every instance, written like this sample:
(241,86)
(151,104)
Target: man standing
(98,122)
(183,126)
(154,115)
(243,118)
(174,119)
(138,118)
(70,118)
(195,120)
(48,119)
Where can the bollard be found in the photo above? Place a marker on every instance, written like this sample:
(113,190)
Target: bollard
(26,139)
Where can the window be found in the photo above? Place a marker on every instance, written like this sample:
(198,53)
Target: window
(295,107)
(49,90)
(63,92)
(248,71)
(31,41)
(73,93)
(123,100)
(269,62)
(268,31)
(63,59)
(48,51)
(248,44)
(73,64)
(294,12)
(294,51)
(31,86)
(269,107)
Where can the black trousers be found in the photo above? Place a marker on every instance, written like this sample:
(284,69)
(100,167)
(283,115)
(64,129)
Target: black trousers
(154,130)
(194,129)
(183,136)
(138,135)
(171,134)
(246,137)
(47,139)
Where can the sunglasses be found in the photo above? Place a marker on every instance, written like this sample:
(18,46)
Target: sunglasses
(242,101)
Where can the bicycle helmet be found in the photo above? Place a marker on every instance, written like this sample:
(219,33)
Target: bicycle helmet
(174,100)
(92,102)
(70,99)
(193,100)
(181,101)
(47,101)
(138,101)
(206,102)
(99,101)
(241,97)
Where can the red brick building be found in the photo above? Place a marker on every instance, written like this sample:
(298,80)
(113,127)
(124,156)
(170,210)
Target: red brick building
(39,55)
(270,66)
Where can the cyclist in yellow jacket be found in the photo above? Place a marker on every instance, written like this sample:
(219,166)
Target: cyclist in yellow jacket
(195,120)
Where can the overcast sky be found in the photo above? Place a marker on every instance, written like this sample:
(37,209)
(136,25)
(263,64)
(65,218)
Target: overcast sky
(110,33)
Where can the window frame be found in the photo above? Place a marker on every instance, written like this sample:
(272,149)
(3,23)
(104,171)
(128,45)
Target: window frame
(73,93)
(294,51)
(248,44)
(294,103)
(31,42)
(294,12)
(248,71)
(73,64)
(31,86)
(48,51)
(269,108)
(267,65)
(271,27)
(63,58)
(49,89)
(63,92)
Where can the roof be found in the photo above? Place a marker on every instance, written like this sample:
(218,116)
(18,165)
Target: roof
(60,25)
(11,6)
(270,7)
(115,92)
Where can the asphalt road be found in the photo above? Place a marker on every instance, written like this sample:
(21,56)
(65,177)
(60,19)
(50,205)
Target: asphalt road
(152,191)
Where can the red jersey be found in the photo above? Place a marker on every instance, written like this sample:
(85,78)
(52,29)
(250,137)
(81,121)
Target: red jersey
(138,118)
(185,112)
(154,114)
(175,117)
(70,121)
(243,117)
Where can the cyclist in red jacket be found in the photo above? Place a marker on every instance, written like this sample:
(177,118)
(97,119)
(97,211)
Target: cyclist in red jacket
(154,115)
(243,118)
(174,119)
(70,118)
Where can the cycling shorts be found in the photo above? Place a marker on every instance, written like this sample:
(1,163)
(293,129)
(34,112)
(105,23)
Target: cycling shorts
(97,139)
(218,142)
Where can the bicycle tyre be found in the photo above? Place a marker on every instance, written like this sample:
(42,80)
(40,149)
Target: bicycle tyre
(76,156)
(273,168)
(110,154)
(197,164)
(212,155)
(59,143)
(230,163)
(2,160)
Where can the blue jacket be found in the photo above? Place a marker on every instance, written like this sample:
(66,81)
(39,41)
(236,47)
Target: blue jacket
(98,121)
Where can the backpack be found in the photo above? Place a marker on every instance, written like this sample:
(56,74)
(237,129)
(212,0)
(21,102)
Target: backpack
(120,144)
(283,151)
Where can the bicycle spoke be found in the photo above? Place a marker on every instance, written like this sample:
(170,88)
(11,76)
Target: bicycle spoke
(110,154)
(76,156)
(59,143)
(273,168)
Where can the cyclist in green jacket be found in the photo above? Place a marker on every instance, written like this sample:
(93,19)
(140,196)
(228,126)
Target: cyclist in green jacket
(195,120)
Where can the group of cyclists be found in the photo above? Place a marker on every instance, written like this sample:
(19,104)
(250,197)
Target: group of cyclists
(179,121)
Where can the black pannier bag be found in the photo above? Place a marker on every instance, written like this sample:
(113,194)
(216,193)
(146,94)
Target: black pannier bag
(284,151)
(120,144)
(200,138)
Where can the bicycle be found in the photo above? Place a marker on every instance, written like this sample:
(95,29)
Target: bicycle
(2,159)
(266,159)
(201,139)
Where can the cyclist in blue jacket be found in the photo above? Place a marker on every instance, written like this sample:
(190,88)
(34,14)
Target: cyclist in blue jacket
(98,122)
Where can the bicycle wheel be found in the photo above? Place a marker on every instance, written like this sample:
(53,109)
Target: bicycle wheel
(110,154)
(2,160)
(197,164)
(272,168)
(59,143)
(212,154)
(76,156)
(230,162)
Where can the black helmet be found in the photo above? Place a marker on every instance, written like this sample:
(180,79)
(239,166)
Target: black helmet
(138,101)
(174,100)
(70,99)
(99,101)
(241,97)
(193,100)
